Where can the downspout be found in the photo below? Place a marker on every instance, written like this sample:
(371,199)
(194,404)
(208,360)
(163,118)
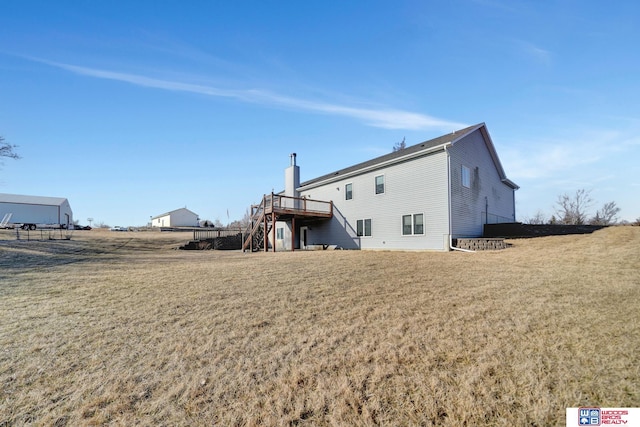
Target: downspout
(451,247)
(486,211)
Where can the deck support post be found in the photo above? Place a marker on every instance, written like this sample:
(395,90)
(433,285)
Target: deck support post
(265,234)
(273,231)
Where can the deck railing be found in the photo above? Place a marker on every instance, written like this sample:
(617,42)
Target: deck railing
(298,205)
(211,234)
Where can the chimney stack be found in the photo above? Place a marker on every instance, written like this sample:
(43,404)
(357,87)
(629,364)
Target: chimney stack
(292,178)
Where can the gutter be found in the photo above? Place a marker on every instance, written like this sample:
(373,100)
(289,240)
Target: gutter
(451,247)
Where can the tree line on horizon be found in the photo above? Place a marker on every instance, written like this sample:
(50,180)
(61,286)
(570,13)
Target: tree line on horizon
(573,209)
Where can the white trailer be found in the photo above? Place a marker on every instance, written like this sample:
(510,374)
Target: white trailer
(31,212)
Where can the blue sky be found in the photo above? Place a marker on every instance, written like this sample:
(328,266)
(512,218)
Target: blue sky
(131,109)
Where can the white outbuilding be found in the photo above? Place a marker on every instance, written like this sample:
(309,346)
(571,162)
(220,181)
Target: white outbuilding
(34,211)
(182,217)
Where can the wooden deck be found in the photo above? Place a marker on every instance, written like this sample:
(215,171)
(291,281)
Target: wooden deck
(286,207)
(276,207)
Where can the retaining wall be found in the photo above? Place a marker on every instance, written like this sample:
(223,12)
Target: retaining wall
(217,243)
(480,244)
(517,229)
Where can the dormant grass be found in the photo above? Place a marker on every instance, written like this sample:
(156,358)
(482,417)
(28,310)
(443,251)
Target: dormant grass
(119,328)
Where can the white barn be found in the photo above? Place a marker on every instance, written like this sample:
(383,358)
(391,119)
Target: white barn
(182,217)
(418,198)
(35,210)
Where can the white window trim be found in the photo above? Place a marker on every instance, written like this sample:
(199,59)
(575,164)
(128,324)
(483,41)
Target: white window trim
(384,185)
(364,227)
(462,174)
(345,190)
(413,225)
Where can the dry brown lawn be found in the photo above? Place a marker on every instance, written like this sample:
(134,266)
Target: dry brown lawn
(120,329)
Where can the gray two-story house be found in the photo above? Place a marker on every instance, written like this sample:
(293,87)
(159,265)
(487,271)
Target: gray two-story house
(417,198)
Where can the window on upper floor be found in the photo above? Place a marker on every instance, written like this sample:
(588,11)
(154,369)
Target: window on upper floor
(380,184)
(348,191)
(466,176)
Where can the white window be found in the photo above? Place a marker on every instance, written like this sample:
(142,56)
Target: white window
(363,227)
(466,176)
(418,223)
(348,191)
(380,184)
(412,224)
(280,233)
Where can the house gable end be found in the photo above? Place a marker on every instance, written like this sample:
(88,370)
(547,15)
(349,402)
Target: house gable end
(492,151)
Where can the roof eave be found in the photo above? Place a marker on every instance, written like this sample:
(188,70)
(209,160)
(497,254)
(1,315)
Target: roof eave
(338,176)
(511,183)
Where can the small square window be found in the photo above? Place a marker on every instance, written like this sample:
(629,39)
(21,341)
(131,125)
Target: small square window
(348,191)
(379,184)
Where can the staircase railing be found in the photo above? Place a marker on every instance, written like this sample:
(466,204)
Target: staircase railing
(257,219)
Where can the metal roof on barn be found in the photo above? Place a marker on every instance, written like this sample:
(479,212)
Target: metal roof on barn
(174,211)
(31,200)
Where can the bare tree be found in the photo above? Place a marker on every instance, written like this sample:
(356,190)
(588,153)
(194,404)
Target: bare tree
(8,150)
(537,219)
(241,223)
(607,215)
(399,145)
(572,210)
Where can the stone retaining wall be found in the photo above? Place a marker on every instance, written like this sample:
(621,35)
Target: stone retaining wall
(480,244)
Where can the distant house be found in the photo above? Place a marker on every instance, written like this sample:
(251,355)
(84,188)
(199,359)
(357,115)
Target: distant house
(182,217)
(420,197)
(35,210)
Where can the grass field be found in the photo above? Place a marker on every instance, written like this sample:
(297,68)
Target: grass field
(119,328)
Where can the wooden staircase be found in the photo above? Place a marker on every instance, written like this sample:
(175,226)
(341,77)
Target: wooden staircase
(255,232)
(277,207)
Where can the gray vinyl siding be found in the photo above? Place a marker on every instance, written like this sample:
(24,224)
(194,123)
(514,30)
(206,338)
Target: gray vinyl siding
(416,186)
(468,205)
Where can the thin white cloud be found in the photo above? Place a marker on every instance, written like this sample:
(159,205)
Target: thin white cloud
(533,159)
(535,52)
(386,118)
(539,160)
